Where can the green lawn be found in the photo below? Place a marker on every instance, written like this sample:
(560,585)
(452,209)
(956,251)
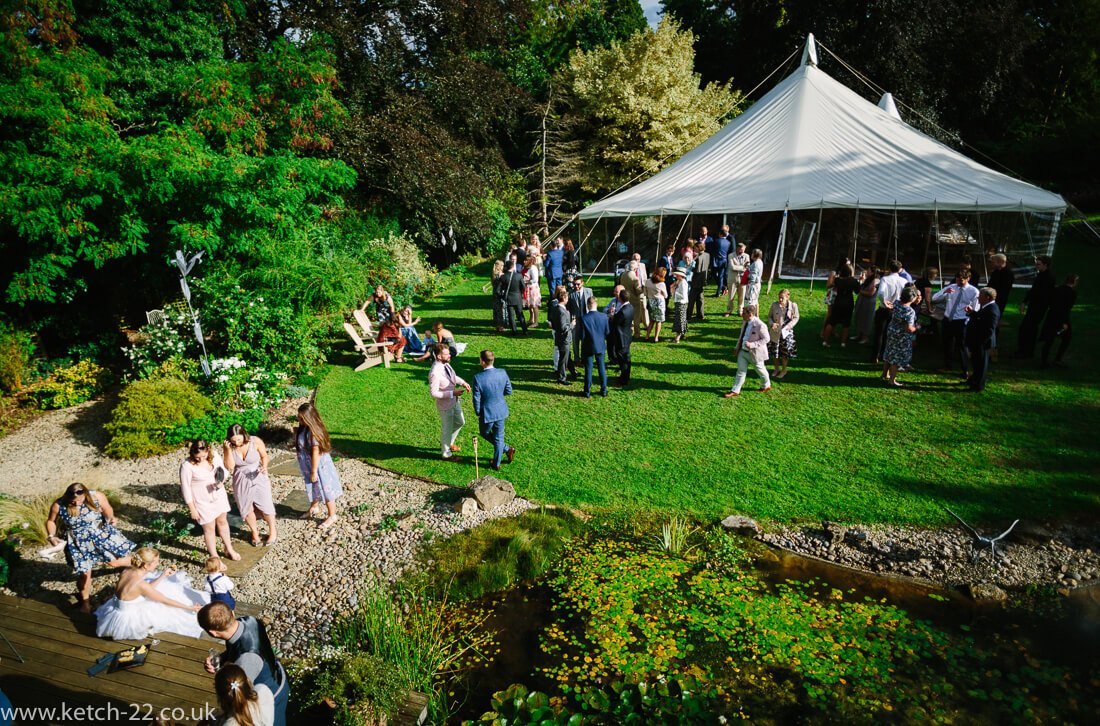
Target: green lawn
(828,442)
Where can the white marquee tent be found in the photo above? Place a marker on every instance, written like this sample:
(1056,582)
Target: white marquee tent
(813,143)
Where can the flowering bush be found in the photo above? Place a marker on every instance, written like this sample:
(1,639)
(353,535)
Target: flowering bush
(70,385)
(243,323)
(237,385)
(161,344)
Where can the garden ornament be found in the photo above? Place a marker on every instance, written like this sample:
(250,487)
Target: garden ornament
(185,267)
(978,542)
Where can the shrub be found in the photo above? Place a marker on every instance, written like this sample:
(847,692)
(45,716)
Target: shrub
(148,409)
(405,273)
(16,351)
(212,426)
(162,346)
(236,384)
(360,688)
(500,552)
(244,323)
(71,386)
(27,518)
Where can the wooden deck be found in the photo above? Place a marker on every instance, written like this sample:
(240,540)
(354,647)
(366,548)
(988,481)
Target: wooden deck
(58,646)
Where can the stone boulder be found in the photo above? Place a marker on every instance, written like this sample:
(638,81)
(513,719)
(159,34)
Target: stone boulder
(466,506)
(986,592)
(741,525)
(491,492)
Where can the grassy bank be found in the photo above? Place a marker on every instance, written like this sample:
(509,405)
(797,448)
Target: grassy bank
(829,441)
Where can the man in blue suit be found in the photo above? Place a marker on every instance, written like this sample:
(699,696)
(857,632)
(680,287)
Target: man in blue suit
(554,269)
(980,336)
(594,346)
(490,388)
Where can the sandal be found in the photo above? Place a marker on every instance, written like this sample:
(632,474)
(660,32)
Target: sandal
(309,514)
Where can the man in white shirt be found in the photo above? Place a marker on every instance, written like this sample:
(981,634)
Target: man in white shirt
(958,298)
(446,387)
(738,262)
(889,290)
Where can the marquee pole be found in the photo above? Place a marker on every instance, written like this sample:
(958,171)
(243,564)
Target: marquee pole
(817,245)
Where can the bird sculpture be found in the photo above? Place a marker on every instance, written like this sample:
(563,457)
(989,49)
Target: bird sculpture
(979,543)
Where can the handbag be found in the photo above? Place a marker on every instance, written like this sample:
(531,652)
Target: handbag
(830,296)
(745,277)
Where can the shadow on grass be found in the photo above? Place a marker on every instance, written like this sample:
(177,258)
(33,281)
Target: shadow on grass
(988,507)
(383,450)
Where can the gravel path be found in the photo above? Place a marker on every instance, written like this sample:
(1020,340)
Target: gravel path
(302,582)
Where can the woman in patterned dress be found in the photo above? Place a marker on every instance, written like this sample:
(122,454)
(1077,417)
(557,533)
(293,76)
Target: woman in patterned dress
(678,298)
(92,536)
(782,317)
(312,442)
(900,334)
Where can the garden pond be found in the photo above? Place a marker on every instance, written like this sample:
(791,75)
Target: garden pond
(769,637)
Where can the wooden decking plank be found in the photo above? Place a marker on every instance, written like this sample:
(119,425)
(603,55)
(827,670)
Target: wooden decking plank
(195,651)
(162,669)
(126,686)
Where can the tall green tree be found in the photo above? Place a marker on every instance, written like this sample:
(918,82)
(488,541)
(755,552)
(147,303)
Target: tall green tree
(198,152)
(631,109)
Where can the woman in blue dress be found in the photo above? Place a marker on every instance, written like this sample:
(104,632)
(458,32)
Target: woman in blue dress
(900,334)
(312,442)
(91,534)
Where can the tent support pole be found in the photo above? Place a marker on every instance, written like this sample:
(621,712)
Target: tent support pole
(660,225)
(981,244)
(778,248)
(897,246)
(855,233)
(936,236)
(609,244)
(817,246)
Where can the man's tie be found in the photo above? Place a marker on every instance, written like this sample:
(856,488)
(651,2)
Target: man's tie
(450,373)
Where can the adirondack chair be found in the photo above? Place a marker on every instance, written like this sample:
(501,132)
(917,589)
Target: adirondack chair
(373,353)
(365,324)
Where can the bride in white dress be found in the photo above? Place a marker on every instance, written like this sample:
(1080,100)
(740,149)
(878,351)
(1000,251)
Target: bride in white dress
(145,603)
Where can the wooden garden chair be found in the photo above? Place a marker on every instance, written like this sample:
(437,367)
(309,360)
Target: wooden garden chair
(365,324)
(373,353)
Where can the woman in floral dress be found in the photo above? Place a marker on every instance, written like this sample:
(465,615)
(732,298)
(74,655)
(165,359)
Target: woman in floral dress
(900,334)
(92,537)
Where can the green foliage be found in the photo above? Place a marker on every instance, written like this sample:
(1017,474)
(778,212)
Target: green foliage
(160,349)
(407,630)
(9,554)
(362,687)
(674,537)
(71,385)
(245,324)
(672,701)
(146,410)
(26,518)
(499,553)
(629,110)
(212,426)
(16,350)
(171,526)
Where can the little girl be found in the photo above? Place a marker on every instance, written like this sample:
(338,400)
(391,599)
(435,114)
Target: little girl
(218,583)
(312,443)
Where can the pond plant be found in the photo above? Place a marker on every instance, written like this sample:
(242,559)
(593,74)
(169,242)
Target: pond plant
(628,617)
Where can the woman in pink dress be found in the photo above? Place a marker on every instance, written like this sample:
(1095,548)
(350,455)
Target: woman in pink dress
(246,458)
(201,477)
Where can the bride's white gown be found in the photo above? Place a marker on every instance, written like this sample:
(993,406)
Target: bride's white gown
(139,618)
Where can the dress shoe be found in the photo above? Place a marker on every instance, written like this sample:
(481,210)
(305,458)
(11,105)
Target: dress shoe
(510,452)
(494,467)
(454,458)
(603,394)
(731,394)
(765,389)
(586,395)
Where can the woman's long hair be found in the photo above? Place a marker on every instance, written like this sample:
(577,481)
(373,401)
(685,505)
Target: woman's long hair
(68,499)
(310,418)
(235,693)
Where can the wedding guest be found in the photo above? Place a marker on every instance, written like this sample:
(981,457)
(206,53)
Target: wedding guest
(656,294)
(901,331)
(1057,326)
(201,482)
(751,350)
(93,539)
(243,704)
(311,441)
(246,459)
(782,317)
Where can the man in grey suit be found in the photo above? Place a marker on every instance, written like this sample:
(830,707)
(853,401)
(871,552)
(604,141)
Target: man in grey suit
(490,388)
(561,322)
(578,306)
